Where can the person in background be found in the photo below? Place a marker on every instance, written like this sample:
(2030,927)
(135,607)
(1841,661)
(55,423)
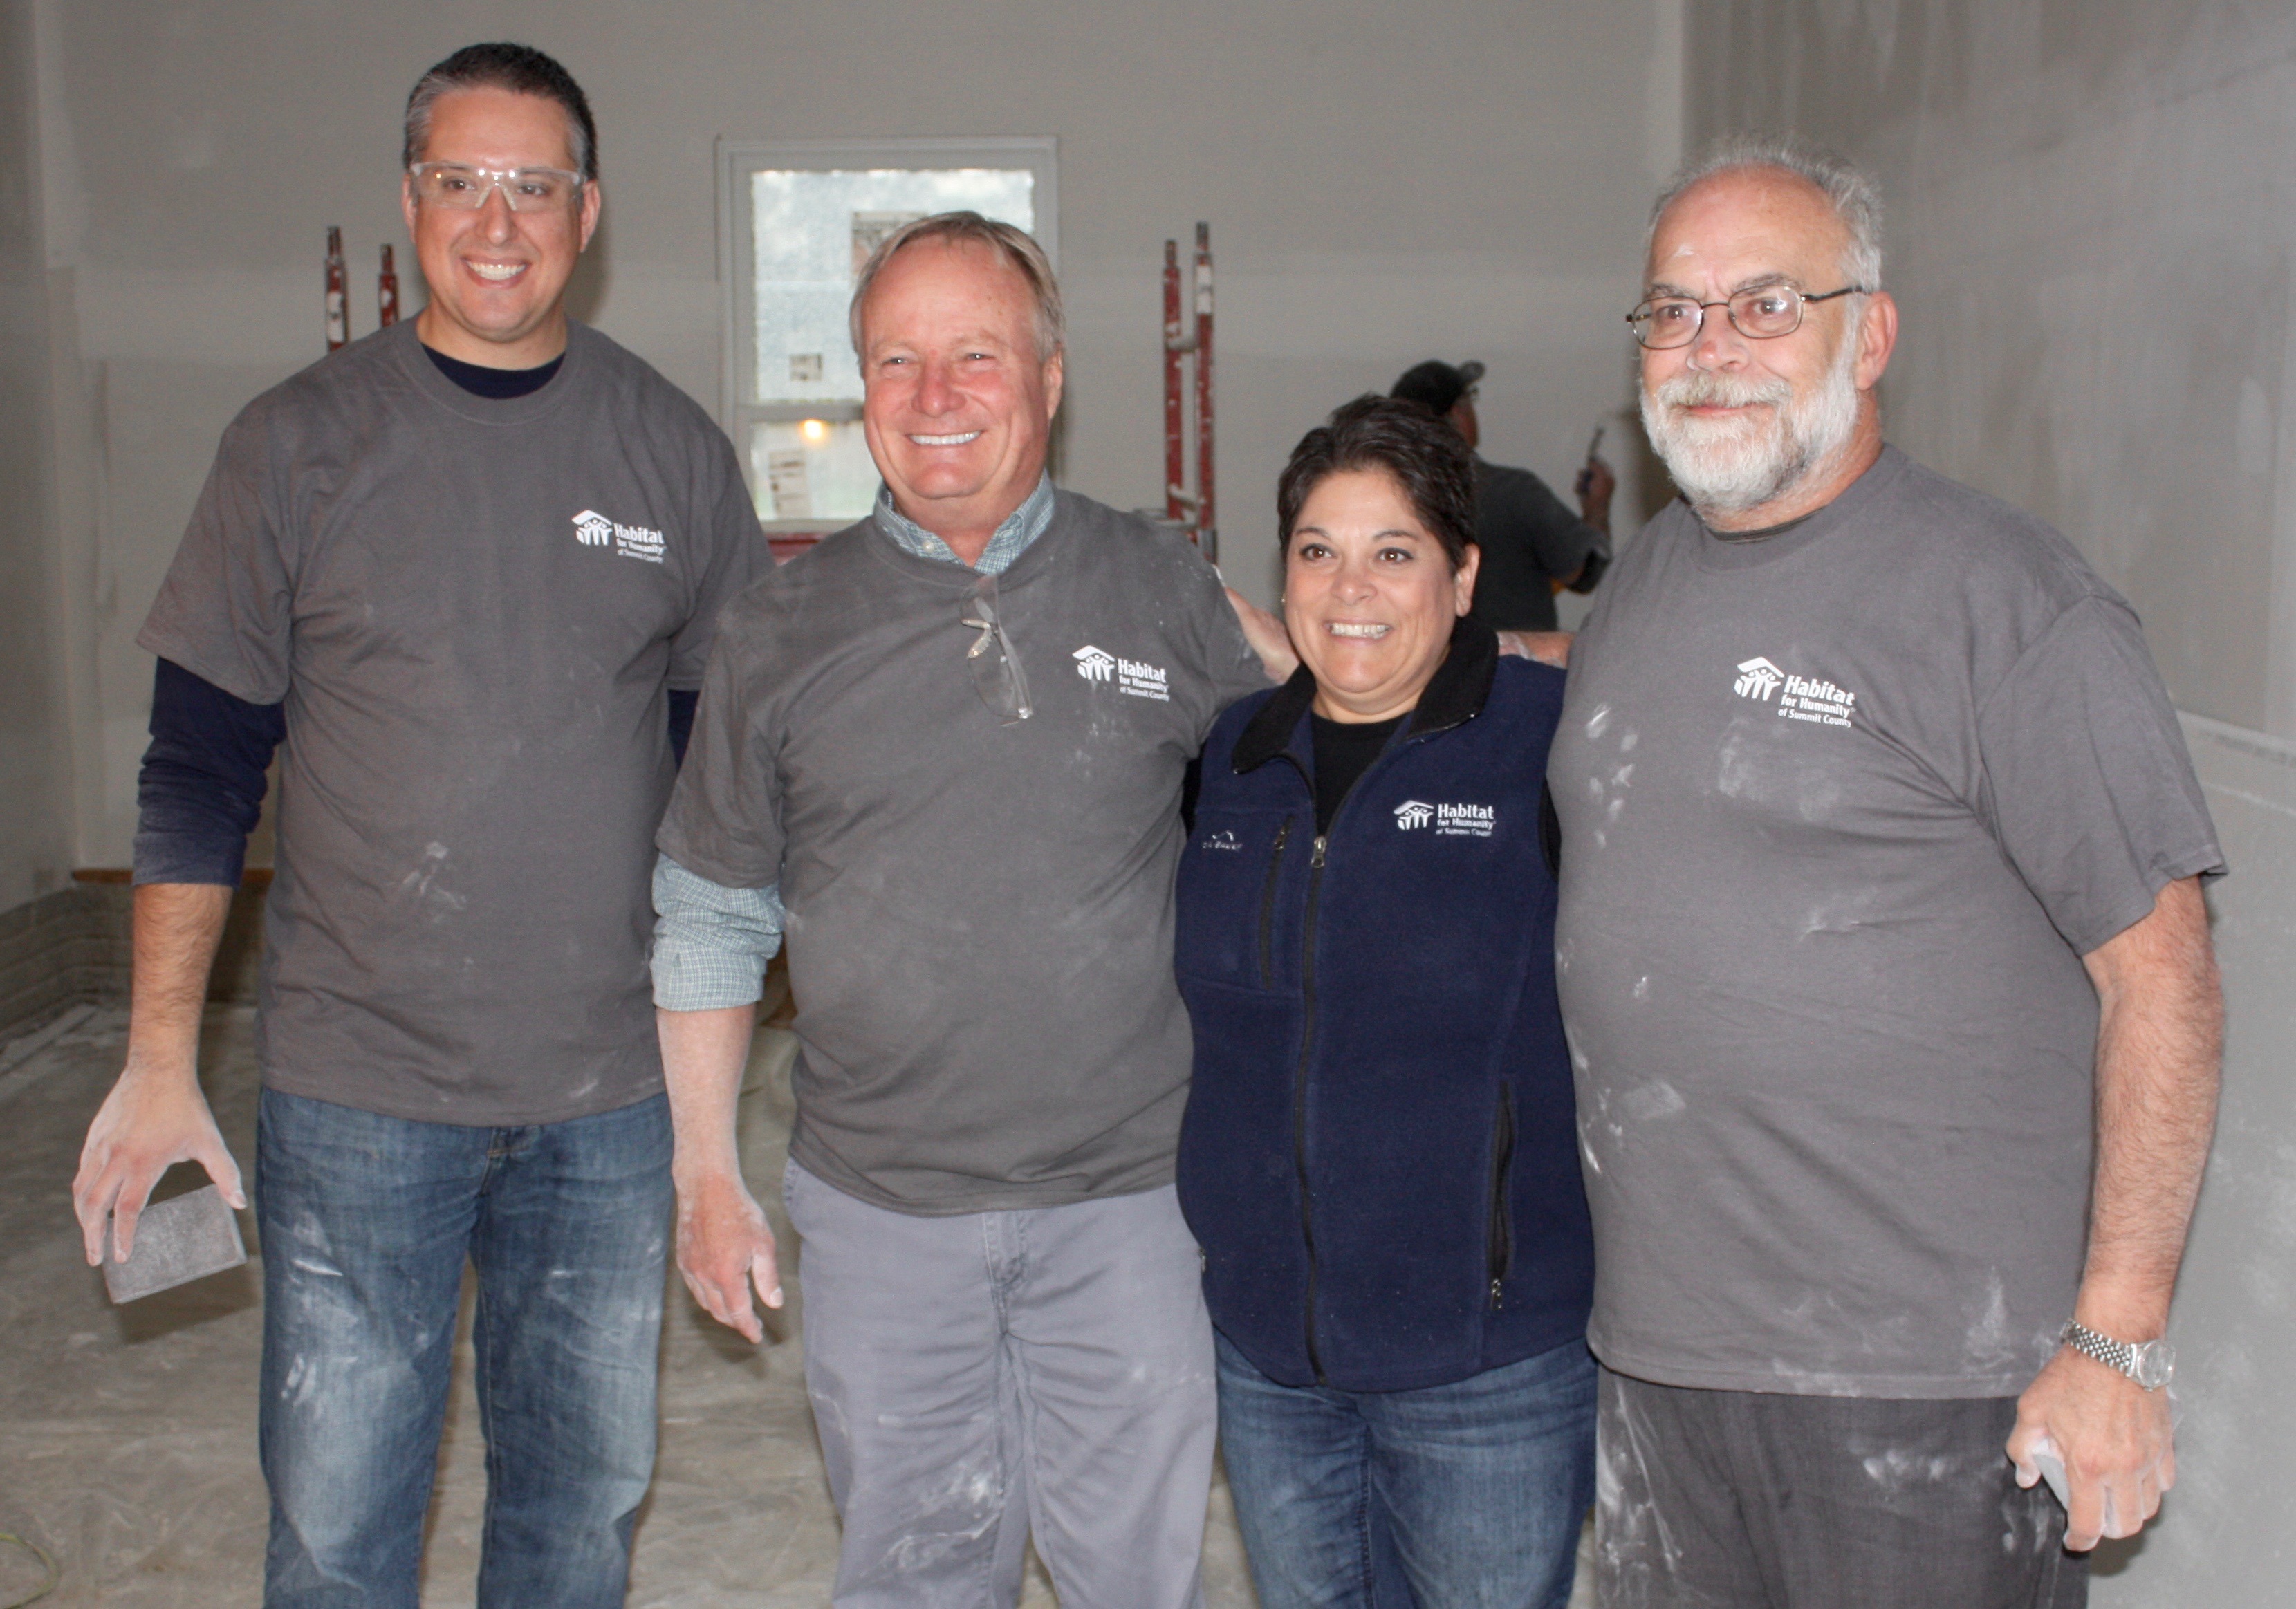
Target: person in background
(467,569)
(1890,995)
(1378,1156)
(1533,547)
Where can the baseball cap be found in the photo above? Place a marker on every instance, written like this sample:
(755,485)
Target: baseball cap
(1439,384)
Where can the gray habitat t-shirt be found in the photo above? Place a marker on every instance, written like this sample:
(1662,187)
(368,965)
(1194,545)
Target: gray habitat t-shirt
(980,914)
(1842,808)
(472,610)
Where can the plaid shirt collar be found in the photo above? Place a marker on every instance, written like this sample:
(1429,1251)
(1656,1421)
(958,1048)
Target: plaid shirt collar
(1022,526)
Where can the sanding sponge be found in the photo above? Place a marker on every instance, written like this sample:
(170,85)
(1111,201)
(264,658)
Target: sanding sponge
(187,1237)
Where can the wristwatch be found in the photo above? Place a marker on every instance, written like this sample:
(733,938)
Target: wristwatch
(2149,1363)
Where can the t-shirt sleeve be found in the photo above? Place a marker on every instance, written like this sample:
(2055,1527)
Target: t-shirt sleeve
(1559,537)
(2088,786)
(724,821)
(1230,664)
(737,555)
(225,611)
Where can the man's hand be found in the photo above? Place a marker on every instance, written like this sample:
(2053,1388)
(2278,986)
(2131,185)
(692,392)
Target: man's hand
(2113,1436)
(1548,648)
(150,1122)
(155,1116)
(1267,635)
(725,1250)
(1595,485)
(723,1247)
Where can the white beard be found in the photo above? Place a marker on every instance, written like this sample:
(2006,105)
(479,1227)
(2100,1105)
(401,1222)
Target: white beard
(1728,466)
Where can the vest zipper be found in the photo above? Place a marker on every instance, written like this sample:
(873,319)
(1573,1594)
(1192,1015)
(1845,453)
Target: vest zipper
(1308,1043)
(1299,1095)
(1267,907)
(1501,1242)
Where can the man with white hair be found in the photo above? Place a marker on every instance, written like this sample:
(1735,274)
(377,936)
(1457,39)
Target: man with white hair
(1887,973)
(943,752)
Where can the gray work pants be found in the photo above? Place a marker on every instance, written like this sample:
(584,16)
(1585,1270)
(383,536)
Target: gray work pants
(981,1377)
(1740,1499)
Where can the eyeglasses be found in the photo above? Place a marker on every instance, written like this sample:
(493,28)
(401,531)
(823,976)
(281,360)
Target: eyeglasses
(997,673)
(465,189)
(1762,314)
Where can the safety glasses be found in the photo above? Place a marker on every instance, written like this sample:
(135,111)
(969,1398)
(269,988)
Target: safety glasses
(995,662)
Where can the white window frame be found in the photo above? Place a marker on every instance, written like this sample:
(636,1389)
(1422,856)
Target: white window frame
(737,159)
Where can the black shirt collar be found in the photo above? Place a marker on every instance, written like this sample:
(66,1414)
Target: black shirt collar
(496,385)
(1456,693)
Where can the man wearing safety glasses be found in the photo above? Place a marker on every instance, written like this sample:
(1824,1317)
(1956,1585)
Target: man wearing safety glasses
(467,569)
(1885,967)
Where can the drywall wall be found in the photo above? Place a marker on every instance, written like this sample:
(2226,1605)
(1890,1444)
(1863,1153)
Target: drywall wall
(2089,237)
(1383,184)
(2090,233)
(2224,1538)
(35,777)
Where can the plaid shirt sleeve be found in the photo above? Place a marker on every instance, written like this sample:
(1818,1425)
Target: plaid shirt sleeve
(710,943)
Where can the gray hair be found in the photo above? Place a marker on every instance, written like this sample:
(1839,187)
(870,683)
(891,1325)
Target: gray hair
(1018,248)
(1850,190)
(519,69)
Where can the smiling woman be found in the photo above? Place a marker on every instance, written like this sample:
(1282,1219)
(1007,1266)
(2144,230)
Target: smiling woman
(1380,1157)
(1379,555)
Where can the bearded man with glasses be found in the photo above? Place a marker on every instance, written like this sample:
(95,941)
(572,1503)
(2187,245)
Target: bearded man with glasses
(1885,967)
(467,569)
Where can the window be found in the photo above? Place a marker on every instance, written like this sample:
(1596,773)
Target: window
(801,217)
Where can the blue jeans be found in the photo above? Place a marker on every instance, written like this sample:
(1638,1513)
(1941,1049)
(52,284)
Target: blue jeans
(1448,1496)
(366,1223)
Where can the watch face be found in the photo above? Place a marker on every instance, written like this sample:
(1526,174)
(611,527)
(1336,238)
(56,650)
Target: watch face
(2153,1363)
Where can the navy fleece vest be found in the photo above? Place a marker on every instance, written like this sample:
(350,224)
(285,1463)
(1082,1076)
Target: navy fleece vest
(1379,1156)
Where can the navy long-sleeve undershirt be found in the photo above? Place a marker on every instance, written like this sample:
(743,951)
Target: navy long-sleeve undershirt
(200,790)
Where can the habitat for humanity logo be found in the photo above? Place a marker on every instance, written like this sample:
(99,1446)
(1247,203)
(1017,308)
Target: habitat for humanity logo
(1131,676)
(593,529)
(1758,679)
(1800,697)
(1449,821)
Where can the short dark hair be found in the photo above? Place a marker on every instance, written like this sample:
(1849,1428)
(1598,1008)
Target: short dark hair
(519,69)
(1438,383)
(1429,460)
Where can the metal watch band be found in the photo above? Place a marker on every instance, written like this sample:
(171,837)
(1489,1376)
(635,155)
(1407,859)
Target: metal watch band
(2149,1363)
(2113,1354)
